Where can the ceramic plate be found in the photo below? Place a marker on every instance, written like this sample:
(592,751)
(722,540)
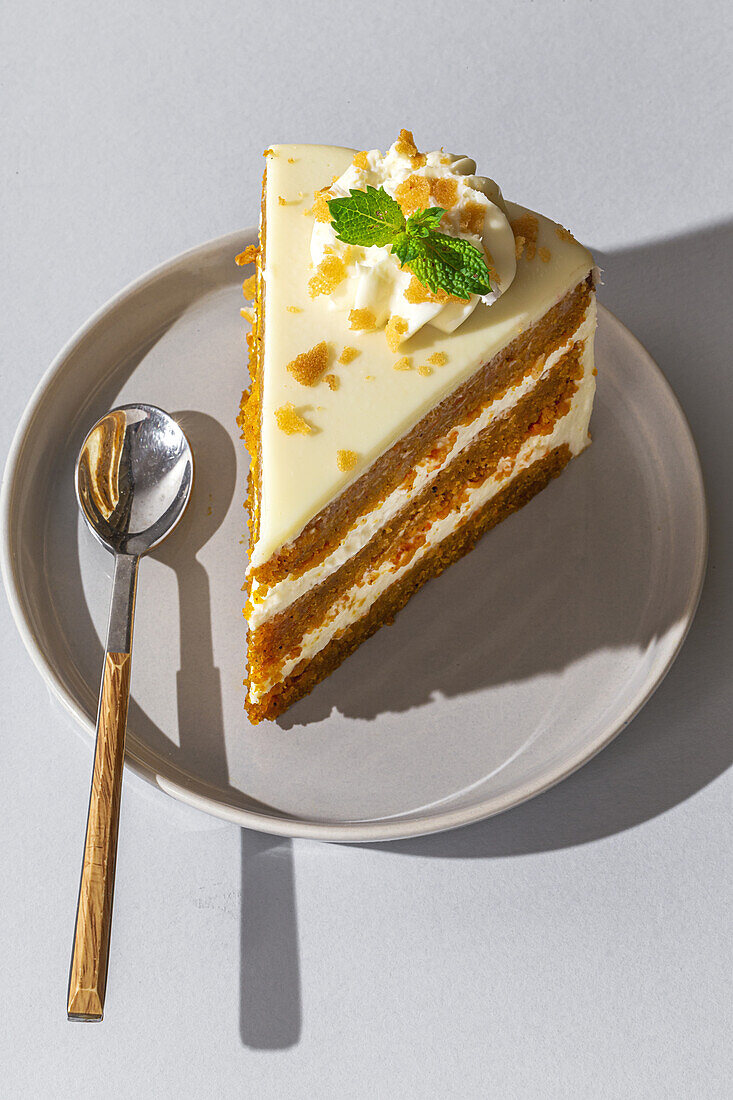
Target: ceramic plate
(500,678)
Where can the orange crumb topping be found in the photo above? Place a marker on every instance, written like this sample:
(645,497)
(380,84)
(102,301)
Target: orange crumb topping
(445,192)
(249,287)
(417,292)
(281,200)
(413,194)
(329,273)
(320,210)
(544,254)
(362,320)
(269,153)
(424,370)
(348,354)
(247,257)
(249,314)
(472,219)
(308,367)
(291,160)
(332,380)
(290,421)
(406,143)
(346,460)
(438,359)
(368,377)
(526,227)
(394,331)
(563,233)
(294,309)
(404,363)
(360,160)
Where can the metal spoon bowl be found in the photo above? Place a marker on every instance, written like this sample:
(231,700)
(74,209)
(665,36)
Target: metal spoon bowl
(133,481)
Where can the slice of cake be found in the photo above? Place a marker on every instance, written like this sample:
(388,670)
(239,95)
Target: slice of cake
(421,364)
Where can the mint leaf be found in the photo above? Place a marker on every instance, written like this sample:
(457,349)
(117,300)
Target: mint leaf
(370,217)
(406,248)
(421,222)
(451,264)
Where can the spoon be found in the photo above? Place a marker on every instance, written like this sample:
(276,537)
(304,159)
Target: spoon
(133,481)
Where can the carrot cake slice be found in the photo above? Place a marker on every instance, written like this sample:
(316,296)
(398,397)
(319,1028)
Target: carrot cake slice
(421,364)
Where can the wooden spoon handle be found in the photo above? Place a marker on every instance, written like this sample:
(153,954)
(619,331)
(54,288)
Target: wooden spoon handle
(88,974)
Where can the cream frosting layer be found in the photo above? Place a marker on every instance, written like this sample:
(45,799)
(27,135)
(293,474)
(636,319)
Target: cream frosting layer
(375,280)
(268,602)
(374,405)
(354,604)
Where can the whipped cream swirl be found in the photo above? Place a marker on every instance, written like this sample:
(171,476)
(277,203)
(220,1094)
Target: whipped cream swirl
(374,279)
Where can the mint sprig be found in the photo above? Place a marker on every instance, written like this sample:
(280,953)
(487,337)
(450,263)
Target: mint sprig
(439,261)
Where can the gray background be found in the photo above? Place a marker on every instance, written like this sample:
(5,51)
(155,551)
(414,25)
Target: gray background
(574,947)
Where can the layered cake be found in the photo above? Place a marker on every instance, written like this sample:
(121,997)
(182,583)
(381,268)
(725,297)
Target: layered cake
(421,364)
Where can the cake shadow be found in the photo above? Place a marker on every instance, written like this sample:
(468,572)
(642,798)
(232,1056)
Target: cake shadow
(680,742)
(509,609)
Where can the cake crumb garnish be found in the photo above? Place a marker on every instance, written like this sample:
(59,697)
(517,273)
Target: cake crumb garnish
(247,257)
(526,227)
(294,309)
(332,381)
(249,314)
(405,363)
(346,460)
(269,153)
(416,293)
(330,272)
(249,287)
(444,191)
(544,254)
(320,210)
(368,377)
(472,219)
(563,233)
(348,354)
(360,160)
(362,320)
(413,194)
(282,201)
(438,359)
(394,331)
(308,367)
(290,421)
(291,160)
(424,370)
(405,144)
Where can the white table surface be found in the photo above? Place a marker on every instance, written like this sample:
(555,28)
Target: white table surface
(574,947)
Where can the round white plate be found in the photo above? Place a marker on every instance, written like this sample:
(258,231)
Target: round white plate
(500,678)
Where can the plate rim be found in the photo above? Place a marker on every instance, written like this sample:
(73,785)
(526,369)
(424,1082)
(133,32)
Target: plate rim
(338,832)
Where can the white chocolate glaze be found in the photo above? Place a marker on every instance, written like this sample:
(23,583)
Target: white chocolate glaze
(374,404)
